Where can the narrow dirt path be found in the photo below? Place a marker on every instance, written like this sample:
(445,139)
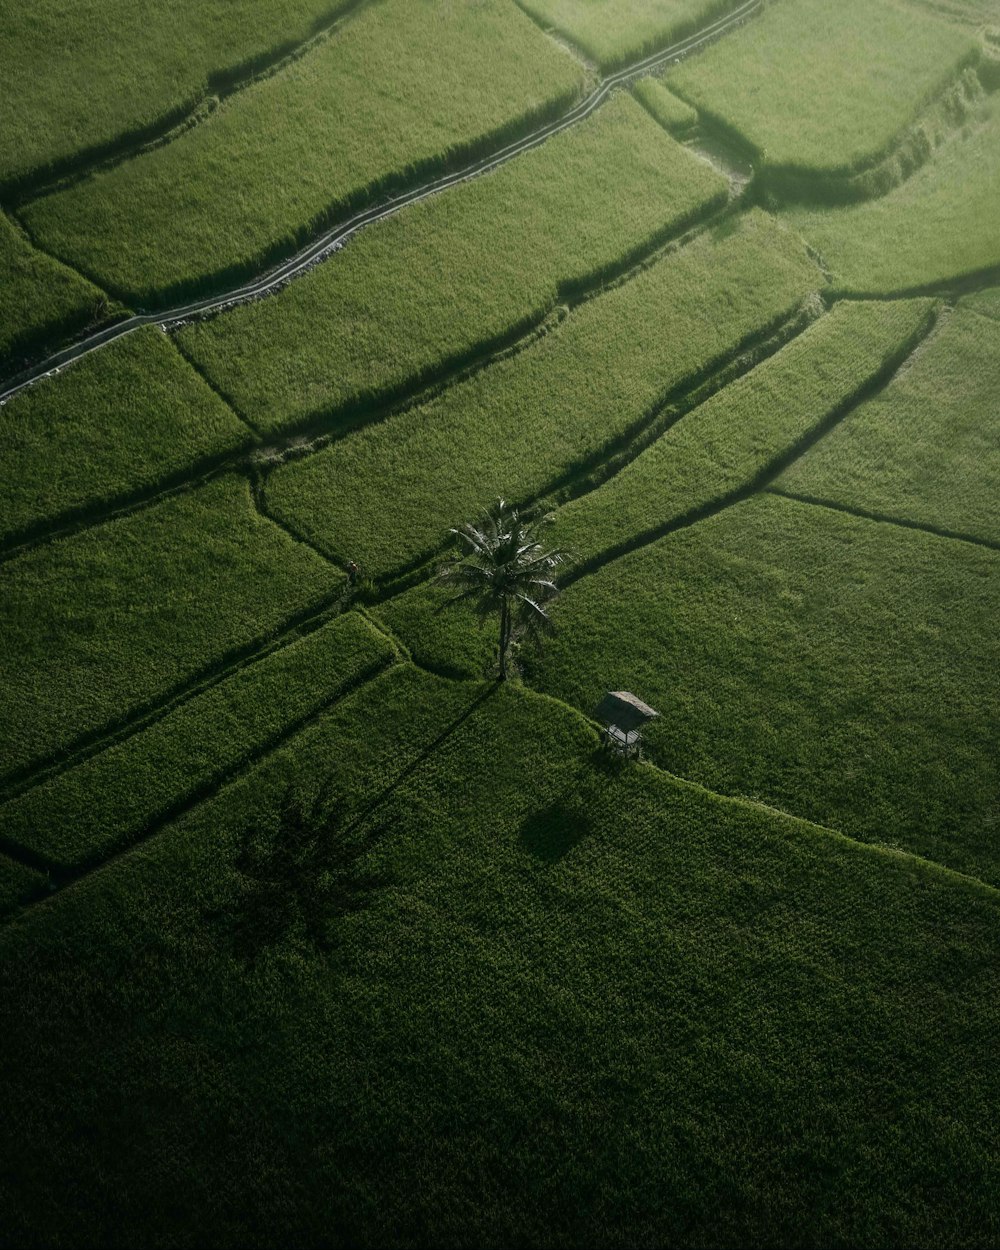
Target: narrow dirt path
(328,243)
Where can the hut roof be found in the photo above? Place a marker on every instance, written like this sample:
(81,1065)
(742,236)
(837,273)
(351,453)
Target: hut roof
(619,707)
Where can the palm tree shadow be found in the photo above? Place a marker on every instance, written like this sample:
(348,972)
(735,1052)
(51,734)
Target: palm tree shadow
(300,879)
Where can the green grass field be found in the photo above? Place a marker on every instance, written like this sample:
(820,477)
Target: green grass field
(801,657)
(111,798)
(55,449)
(423,291)
(726,444)
(112,620)
(934,229)
(79,78)
(385,495)
(825,89)
(332,130)
(615,32)
(549,1001)
(673,113)
(313,932)
(927,448)
(41,301)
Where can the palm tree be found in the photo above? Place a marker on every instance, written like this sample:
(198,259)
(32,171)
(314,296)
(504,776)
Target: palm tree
(506,572)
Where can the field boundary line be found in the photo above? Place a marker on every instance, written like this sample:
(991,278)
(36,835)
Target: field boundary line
(885,518)
(93,742)
(765,476)
(218,86)
(333,239)
(61,877)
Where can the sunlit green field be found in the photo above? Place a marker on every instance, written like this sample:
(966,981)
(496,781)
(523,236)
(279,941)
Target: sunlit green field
(312,931)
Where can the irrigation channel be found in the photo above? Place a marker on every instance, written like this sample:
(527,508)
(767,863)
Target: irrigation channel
(324,246)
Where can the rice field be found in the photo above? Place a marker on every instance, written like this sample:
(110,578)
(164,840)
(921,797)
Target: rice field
(615,32)
(422,292)
(927,449)
(55,451)
(41,301)
(826,90)
(335,129)
(314,932)
(80,78)
(385,495)
(936,228)
(108,622)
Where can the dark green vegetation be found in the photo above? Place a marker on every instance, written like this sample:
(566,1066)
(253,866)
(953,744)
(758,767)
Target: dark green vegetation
(105,623)
(332,129)
(385,495)
(40,299)
(926,449)
(821,89)
(846,671)
(110,798)
(122,421)
(310,935)
(548,1006)
(457,274)
(745,431)
(80,77)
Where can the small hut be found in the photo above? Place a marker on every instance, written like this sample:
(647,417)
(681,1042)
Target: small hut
(623,715)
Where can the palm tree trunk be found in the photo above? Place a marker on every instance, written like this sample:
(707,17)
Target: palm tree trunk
(504,639)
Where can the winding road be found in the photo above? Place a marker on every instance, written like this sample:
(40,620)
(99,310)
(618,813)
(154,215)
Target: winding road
(333,239)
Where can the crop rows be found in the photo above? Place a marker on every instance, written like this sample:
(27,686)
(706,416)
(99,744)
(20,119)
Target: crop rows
(925,449)
(58,458)
(825,90)
(275,162)
(616,959)
(937,228)
(415,295)
(109,621)
(384,495)
(106,802)
(80,79)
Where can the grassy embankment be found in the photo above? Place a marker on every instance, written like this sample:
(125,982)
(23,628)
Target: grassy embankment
(110,799)
(927,449)
(843,670)
(386,494)
(673,113)
(126,419)
(938,227)
(821,93)
(724,448)
(357,116)
(41,301)
(618,32)
(80,78)
(418,294)
(546,1004)
(106,622)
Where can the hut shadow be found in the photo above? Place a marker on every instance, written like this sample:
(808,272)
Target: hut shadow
(551,833)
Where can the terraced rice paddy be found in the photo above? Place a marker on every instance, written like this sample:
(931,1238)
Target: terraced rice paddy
(530,422)
(312,932)
(937,227)
(819,91)
(80,78)
(618,31)
(124,421)
(40,299)
(433,287)
(347,121)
